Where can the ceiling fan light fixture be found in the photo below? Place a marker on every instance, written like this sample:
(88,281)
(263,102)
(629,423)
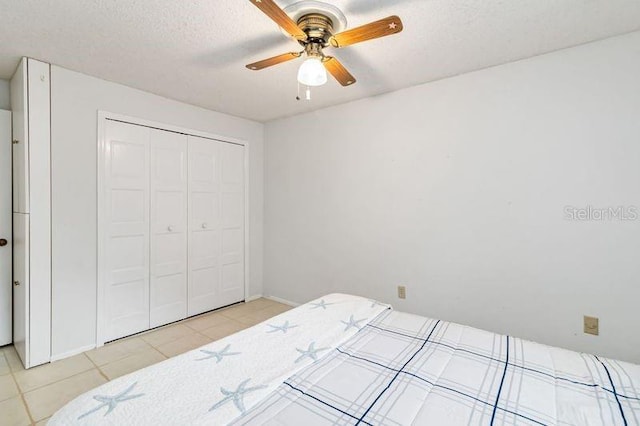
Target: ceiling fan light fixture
(316,25)
(312,72)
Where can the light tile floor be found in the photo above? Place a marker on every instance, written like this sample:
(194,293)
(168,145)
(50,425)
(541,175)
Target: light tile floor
(29,397)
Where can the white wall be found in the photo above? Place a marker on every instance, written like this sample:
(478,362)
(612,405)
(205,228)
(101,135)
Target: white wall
(457,189)
(5,99)
(75,99)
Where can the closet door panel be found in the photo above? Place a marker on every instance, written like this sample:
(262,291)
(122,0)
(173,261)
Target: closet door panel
(232,227)
(168,301)
(204,225)
(126,245)
(216,224)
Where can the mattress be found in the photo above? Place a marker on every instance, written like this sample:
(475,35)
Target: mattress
(344,360)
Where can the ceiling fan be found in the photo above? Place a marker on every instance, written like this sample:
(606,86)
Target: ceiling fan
(316,26)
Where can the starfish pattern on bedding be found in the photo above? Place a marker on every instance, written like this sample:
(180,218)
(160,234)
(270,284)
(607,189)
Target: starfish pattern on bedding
(311,352)
(352,323)
(321,304)
(236,396)
(284,327)
(217,355)
(112,401)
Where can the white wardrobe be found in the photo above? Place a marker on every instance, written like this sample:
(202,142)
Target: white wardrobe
(171,227)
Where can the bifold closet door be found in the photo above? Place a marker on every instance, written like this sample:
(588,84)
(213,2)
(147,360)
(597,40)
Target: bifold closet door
(232,226)
(126,234)
(168,290)
(172,227)
(216,224)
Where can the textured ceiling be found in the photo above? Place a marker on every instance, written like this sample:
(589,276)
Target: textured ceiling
(195,51)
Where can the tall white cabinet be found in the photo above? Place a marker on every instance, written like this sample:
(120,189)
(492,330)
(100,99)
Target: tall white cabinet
(30,103)
(171,237)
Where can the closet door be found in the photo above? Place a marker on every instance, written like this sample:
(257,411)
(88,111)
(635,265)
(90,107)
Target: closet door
(204,225)
(216,224)
(168,291)
(126,234)
(232,226)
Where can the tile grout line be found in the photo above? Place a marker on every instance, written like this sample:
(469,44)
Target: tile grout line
(163,355)
(22,398)
(151,347)
(97,368)
(207,337)
(33,422)
(55,381)
(58,381)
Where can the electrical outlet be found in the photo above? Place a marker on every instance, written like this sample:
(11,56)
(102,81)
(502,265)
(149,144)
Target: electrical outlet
(402,292)
(591,325)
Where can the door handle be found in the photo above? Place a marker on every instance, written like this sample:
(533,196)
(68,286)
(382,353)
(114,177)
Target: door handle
(204,226)
(3,242)
(170,228)
(16,283)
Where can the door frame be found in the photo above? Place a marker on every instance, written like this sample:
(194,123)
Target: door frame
(103,117)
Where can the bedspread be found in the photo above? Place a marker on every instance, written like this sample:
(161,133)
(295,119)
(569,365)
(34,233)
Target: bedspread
(217,382)
(402,369)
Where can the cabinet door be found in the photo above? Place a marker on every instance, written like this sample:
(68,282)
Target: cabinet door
(21,286)
(124,251)
(168,288)
(39,207)
(21,137)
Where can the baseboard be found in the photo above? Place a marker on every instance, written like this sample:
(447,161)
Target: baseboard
(252,298)
(284,301)
(72,353)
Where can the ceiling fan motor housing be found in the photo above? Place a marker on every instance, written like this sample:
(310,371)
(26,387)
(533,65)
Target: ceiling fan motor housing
(318,27)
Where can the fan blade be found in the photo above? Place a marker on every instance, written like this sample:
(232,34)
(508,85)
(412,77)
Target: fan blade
(338,71)
(273,11)
(273,61)
(377,29)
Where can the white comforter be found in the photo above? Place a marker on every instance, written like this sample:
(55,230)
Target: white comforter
(220,381)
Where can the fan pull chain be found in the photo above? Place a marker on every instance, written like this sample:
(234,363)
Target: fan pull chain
(307,93)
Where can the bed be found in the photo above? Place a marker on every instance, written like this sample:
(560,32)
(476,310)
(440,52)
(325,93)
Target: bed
(346,360)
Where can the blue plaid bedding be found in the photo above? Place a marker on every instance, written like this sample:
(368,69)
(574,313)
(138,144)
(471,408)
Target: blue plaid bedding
(402,369)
